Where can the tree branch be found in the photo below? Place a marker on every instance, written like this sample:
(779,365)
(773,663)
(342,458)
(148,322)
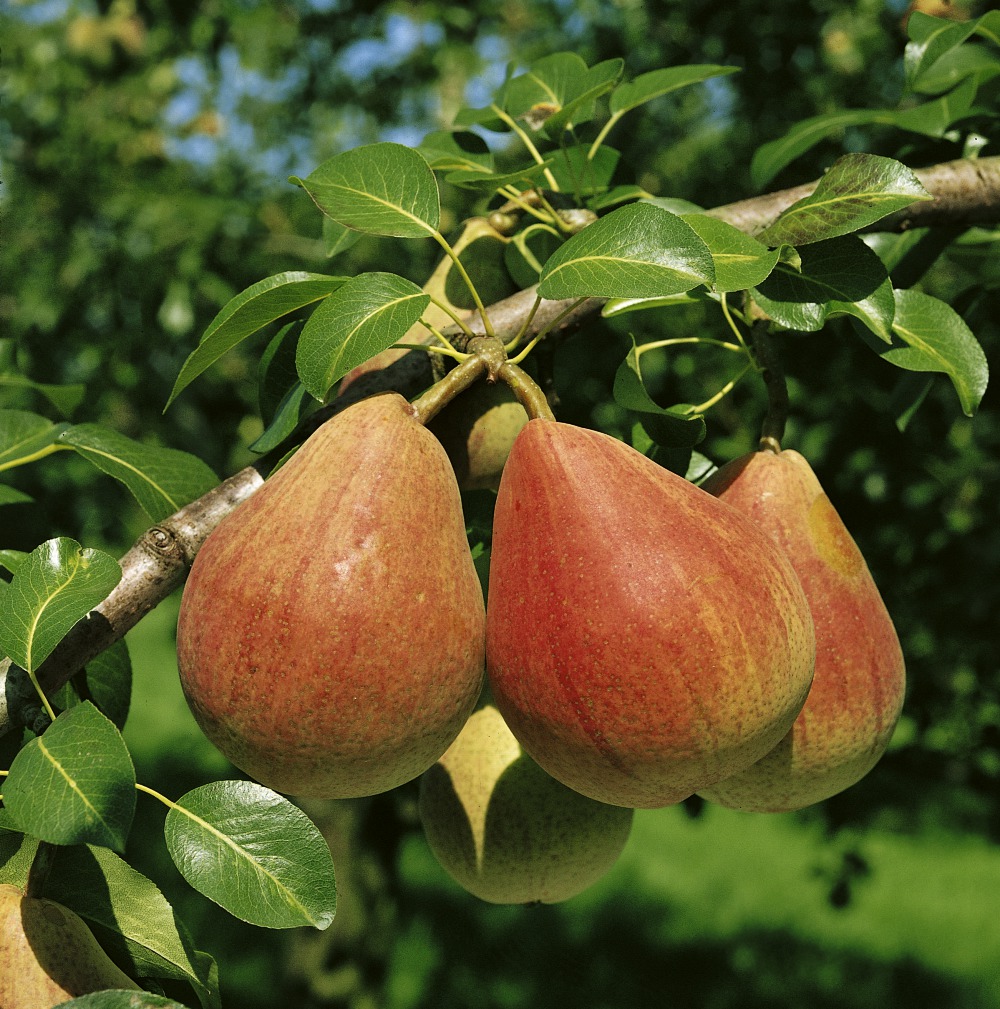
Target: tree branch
(966,192)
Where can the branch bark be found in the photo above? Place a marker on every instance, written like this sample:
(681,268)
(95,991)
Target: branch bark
(966,193)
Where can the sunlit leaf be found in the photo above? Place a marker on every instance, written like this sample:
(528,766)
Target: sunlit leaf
(25,437)
(930,336)
(657,83)
(634,252)
(841,276)
(74,784)
(379,189)
(579,107)
(931,38)
(250,311)
(858,190)
(254,853)
(545,87)
(56,585)
(161,479)
(741,262)
(368,314)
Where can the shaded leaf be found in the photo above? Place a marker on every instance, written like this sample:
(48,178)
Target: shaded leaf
(579,107)
(522,178)
(161,479)
(135,921)
(929,335)
(657,83)
(11,495)
(337,238)
(931,38)
(636,251)
(120,999)
(380,189)
(56,585)
(672,427)
(839,277)
(276,370)
(106,681)
(455,150)
(254,853)
(75,784)
(65,398)
(293,409)
(741,262)
(25,437)
(621,306)
(581,176)
(250,311)
(368,314)
(858,190)
(527,252)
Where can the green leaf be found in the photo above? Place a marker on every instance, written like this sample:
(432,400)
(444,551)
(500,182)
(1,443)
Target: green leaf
(10,560)
(11,495)
(657,83)
(841,276)
(379,189)
(293,409)
(250,311)
(673,427)
(527,252)
(858,190)
(134,920)
(583,176)
(522,178)
(955,66)
(931,38)
(929,335)
(621,306)
(17,851)
(636,251)
(276,370)
(120,999)
(368,314)
(741,262)
(65,398)
(455,150)
(25,437)
(161,479)
(56,585)
(579,108)
(74,784)
(254,853)
(616,195)
(337,238)
(545,87)
(106,681)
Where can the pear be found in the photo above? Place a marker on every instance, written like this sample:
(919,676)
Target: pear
(331,632)
(507,831)
(857,692)
(48,955)
(644,640)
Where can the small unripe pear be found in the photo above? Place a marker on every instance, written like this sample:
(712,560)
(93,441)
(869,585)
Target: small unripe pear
(857,691)
(48,955)
(331,633)
(507,831)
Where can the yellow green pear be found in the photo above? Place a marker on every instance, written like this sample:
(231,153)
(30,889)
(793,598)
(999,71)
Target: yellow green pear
(507,831)
(48,955)
(857,689)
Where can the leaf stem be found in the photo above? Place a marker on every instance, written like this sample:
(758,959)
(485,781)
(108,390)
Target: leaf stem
(673,341)
(724,302)
(169,803)
(49,710)
(600,138)
(723,392)
(480,307)
(528,143)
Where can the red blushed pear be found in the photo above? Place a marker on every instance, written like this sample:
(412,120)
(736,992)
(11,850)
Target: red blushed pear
(857,693)
(331,632)
(644,640)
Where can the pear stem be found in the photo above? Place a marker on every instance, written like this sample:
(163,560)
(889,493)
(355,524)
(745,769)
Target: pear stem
(41,865)
(772,428)
(528,392)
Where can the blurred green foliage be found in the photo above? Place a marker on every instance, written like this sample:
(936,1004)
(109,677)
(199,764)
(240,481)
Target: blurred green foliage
(144,150)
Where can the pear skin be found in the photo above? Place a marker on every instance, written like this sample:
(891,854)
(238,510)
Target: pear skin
(331,633)
(644,639)
(508,832)
(48,955)
(857,691)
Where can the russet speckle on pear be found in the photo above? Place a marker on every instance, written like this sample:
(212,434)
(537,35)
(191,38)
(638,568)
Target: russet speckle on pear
(48,955)
(644,640)
(331,632)
(507,831)
(857,692)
